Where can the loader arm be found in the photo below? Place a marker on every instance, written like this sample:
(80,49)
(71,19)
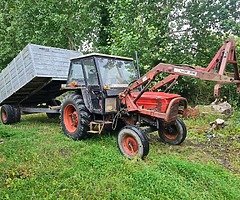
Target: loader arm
(213,72)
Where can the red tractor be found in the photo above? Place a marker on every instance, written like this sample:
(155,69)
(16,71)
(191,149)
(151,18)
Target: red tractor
(108,94)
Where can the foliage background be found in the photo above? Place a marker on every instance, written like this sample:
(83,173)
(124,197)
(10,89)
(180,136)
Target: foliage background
(172,31)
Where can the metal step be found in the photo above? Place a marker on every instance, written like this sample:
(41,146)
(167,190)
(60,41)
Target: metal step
(93,132)
(97,126)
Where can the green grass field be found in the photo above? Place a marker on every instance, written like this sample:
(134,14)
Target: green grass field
(38,162)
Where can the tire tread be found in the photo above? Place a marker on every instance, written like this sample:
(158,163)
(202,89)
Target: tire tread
(85,117)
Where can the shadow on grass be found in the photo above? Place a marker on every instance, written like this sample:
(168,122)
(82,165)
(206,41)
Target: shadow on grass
(39,118)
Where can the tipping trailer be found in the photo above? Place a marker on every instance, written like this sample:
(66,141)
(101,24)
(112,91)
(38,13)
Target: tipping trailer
(32,80)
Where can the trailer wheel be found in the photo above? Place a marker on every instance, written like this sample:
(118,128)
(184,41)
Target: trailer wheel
(53,102)
(75,118)
(174,133)
(132,142)
(7,114)
(17,113)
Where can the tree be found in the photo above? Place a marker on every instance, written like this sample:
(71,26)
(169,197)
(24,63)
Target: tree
(65,24)
(172,31)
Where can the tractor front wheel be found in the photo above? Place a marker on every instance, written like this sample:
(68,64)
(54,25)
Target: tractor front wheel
(132,142)
(174,133)
(75,118)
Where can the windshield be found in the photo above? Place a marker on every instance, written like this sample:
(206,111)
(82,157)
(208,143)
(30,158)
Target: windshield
(116,71)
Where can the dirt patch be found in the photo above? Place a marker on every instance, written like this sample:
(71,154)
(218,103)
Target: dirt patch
(2,159)
(20,172)
(64,152)
(224,151)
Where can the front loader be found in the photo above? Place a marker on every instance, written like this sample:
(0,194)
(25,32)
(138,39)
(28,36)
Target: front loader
(108,94)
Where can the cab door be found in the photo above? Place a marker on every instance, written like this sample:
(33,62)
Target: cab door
(93,85)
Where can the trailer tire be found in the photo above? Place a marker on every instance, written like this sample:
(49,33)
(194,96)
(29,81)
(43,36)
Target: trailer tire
(174,133)
(132,142)
(17,113)
(7,114)
(75,118)
(53,102)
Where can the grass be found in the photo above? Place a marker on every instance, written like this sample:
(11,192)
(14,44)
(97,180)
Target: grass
(38,162)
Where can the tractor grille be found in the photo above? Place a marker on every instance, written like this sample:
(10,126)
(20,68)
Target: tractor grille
(174,111)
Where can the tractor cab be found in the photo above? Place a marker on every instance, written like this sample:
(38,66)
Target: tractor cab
(101,78)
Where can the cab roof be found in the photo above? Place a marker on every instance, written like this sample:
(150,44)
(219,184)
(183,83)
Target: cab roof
(102,55)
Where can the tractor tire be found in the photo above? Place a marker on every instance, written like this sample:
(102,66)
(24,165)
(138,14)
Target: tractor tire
(174,133)
(7,114)
(53,102)
(132,142)
(75,118)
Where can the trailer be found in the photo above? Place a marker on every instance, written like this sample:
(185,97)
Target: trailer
(32,80)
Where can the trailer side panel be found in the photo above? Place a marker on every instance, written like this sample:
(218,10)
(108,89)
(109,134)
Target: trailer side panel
(34,72)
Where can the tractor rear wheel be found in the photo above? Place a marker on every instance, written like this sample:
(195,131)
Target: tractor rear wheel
(75,118)
(7,114)
(132,142)
(174,133)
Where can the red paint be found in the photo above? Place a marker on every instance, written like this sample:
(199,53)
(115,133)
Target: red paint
(157,101)
(70,118)
(130,145)
(4,115)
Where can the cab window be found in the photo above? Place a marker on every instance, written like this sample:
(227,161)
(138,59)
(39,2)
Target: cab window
(76,73)
(91,73)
